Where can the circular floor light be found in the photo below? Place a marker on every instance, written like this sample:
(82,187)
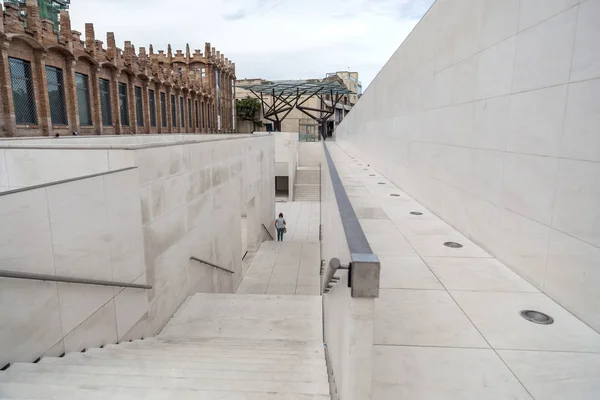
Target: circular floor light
(537,317)
(453,245)
(416,213)
(395,195)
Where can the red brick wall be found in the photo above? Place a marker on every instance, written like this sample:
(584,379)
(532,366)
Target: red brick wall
(41,46)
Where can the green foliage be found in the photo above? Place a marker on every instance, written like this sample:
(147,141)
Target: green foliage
(248,109)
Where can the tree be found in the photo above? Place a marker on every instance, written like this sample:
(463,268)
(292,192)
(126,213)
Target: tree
(248,109)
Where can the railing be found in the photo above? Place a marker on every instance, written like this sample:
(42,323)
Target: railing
(307,137)
(272,238)
(364,267)
(212,265)
(65,279)
(350,284)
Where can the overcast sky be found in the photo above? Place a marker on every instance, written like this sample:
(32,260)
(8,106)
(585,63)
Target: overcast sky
(271,39)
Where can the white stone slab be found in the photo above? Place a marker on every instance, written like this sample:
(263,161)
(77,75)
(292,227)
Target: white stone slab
(577,205)
(424,318)
(582,117)
(158,372)
(586,55)
(479,274)
(556,375)
(31,312)
(25,221)
(406,273)
(77,392)
(442,373)
(497,316)
(549,43)
(572,276)
(223,306)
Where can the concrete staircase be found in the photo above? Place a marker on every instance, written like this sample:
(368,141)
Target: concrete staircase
(307,187)
(216,347)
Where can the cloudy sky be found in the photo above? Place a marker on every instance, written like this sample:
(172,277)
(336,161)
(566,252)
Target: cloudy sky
(271,39)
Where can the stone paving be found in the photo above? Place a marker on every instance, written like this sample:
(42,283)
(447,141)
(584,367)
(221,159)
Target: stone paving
(291,266)
(448,322)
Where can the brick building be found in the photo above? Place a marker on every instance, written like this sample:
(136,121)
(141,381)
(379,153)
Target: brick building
(53,82)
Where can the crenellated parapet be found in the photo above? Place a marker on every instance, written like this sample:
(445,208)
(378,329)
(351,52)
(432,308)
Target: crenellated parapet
(193,72)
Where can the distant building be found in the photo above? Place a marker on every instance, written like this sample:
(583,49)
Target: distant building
(49,9)
(296,120)
(56,81)
(351,81)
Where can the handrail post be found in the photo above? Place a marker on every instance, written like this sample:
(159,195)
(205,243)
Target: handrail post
(364,275)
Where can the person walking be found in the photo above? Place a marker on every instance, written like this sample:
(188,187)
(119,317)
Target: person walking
(280,226)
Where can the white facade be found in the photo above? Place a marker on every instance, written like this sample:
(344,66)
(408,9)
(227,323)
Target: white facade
(488,115)
(182,198)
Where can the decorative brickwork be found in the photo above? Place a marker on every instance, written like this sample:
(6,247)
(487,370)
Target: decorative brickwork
(34,44)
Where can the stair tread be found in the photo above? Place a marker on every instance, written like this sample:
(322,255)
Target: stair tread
(72,379)
(198,359)
(282,352)
(216,346)
(64,392)
(318,357)
(150,363)
(226,342)
(158,370)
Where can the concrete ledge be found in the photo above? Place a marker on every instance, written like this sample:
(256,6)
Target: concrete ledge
(364,275)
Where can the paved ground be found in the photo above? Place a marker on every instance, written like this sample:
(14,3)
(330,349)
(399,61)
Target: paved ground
(283,268)
(302,218)
(448,322)
(291,266)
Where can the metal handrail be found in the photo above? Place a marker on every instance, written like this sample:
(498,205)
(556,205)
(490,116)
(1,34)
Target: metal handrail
(272,238)
(363,262)
(355,236)
(65,279)
(212,265)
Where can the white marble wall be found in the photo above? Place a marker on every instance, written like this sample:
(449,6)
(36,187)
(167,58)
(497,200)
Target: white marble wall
(192,201)
(27,162)
(24,167)
(286,157)
(348,322)
(88,228)
(142,225)
(310,154)
(488,115)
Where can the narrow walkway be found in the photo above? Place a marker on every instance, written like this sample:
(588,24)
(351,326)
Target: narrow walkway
(302,218)
(307,187)
(448,322)
(291,266)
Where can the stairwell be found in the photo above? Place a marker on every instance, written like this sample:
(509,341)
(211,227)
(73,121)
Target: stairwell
(216,347)
(307,186)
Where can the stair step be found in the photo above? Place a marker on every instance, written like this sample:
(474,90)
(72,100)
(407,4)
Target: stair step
(235,341)
(272,328)
(101,381)
(216,346)
(159,371)
(207,353)
(142,362)
(108,353)
(64,392)
(254,306)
